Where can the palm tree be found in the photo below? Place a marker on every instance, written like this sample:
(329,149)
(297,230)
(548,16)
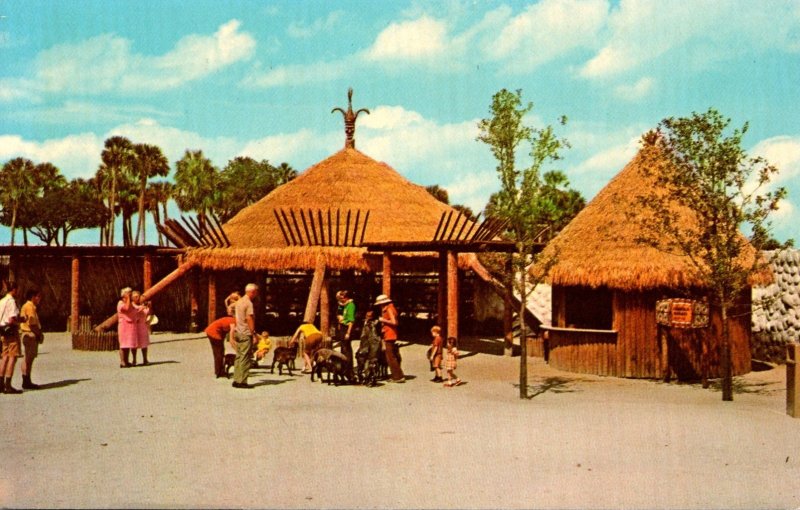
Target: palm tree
(196,183)
(157,195)
(17,181)
(150,162)
(118,156)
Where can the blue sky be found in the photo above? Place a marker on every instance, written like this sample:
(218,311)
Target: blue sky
(260,78)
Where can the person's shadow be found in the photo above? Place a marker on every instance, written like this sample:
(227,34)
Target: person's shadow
(61,384)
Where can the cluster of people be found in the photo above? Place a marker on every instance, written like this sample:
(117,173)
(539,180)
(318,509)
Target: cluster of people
(19,329)
(134,318)
(236,333)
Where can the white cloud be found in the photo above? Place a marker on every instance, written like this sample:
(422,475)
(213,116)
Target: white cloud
(74,155)
(77,112)
(299,30)
(282,76)
(641,31)
(389,117)
(784,153)
(416,40)
(12,90)
(106,63)
(547,30)
(635,91)
(289,147)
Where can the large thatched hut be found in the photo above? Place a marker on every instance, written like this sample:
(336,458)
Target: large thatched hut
(606,286)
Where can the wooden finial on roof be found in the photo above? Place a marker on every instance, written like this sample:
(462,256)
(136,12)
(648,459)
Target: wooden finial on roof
(350,120)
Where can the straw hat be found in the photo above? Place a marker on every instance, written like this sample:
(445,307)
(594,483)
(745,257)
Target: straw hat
(382,300)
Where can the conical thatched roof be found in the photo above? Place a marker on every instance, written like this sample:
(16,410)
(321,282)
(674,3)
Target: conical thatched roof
(399,210)
(599,246)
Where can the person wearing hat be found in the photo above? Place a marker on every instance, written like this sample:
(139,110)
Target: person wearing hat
(389,322)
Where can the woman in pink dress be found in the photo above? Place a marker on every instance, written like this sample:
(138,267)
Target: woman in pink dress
(142,327)
(127,312)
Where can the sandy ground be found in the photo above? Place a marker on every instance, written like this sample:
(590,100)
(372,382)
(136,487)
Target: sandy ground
(171,435)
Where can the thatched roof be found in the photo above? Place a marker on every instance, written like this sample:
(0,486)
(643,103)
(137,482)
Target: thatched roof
(399,210)
(599,247)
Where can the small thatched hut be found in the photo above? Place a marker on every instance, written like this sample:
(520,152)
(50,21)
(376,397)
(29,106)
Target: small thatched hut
(605,288)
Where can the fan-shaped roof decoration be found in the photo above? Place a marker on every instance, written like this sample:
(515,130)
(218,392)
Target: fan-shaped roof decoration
(349,180)
(599,247)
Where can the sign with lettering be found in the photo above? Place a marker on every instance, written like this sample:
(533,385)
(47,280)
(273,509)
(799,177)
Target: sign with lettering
(682,313)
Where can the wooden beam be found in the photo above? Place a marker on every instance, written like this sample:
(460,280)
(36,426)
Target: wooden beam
(314,292)
(441,302)
(387,273)
(324,309)
(194,290)
(75,295)
(155,289)
(212,297)
(147,277)
(452,294)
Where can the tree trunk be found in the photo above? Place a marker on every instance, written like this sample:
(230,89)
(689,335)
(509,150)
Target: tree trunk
(725,354)
(25,236)
(523,344)
(111,201)
(13,223)
(140,219)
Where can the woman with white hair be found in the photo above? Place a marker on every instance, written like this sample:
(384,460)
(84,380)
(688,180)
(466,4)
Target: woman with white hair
(127,313)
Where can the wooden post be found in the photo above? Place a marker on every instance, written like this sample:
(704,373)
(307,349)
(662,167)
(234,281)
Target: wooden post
(316,287)
(508,309)
(148,271)
(212,296)
(75,295)
(452,294)
(324,309)
(387,273)
(441,304)
(194,289)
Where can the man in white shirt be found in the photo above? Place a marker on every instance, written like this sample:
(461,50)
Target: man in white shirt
(244,331)
(9,322)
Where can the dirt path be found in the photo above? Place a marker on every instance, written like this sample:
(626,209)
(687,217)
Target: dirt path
(170,435)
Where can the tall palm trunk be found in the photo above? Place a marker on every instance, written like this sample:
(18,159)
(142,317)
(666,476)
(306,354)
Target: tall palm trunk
(13,223)
(140,222)
(111,201)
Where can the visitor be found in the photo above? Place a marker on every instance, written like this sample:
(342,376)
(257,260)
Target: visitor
(450,363)
(218,332)
(346,316)
(9,330)
(245,329)
(389,322)
(142,327)
(312,341)
(31,336)
(127,313)
(435,353)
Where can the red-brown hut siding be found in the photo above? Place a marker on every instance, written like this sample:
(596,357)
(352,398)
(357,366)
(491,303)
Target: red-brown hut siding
(634,350)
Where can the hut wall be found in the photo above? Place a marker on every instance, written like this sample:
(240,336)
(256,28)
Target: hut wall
(584,351)
(101,278)
(634,351)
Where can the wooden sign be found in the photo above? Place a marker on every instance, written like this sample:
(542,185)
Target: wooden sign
(682,313)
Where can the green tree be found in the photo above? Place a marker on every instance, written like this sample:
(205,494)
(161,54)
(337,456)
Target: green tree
(63,209)
(699,166)
(118,157)
(197,183)
(150,162)
(523,194)
(16,183)
(245,181)
(439,193)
